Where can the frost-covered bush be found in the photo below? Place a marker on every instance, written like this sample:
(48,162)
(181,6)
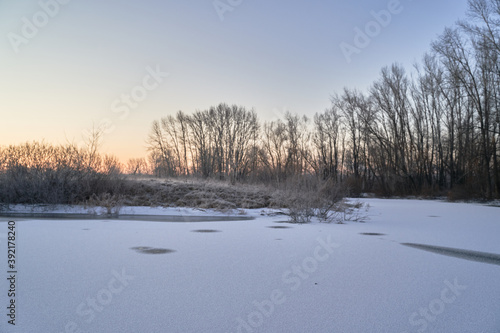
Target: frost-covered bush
(36,173)
(326,202)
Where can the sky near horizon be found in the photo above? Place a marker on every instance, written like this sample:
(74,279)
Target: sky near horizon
(68,65)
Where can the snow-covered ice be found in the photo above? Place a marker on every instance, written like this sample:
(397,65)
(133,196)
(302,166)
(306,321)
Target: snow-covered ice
(244,276)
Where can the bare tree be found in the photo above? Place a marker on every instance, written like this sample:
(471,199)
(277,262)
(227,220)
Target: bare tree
(326,139)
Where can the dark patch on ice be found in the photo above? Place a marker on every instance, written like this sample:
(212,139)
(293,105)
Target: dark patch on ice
(86,229)
(278,239)
(157,251)
(279,227)
(206,230)
(151,250)
(371,234)
(489,258)
(434,216)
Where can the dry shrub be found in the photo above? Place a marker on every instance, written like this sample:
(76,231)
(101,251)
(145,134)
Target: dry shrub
(111,202)
(353,187)
(463,193)
(301,206)
(323,200)
(40,173)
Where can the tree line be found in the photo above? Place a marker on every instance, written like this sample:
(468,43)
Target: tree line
(432,131)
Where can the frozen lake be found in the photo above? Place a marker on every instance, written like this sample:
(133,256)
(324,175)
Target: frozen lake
(415,266)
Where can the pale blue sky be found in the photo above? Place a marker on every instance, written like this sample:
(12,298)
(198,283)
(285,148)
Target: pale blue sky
(266,55)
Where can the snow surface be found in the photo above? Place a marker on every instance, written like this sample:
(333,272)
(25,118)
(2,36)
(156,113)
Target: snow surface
(86,276)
